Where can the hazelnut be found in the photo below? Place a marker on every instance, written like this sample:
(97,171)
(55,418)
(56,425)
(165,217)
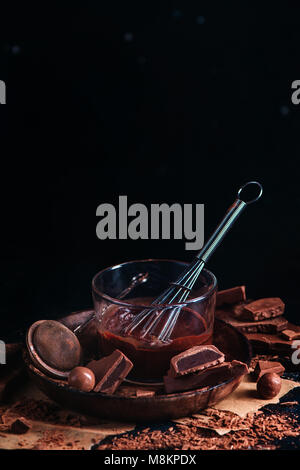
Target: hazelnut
(269,385)
(82,378)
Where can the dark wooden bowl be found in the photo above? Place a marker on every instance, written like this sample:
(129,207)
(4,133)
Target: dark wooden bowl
(154,408)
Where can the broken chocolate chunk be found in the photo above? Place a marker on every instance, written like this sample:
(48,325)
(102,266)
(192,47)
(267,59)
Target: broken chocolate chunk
(262,309)
(110,371)
(263,367)
(269,344)
(205,378)
(231,296)
(270,325)
(194,359)
(20,426)
(290,335)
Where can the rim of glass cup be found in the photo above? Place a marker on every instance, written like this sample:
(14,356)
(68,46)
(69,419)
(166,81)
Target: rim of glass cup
(158,306)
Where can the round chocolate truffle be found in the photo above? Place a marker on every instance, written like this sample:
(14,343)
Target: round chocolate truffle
(82,378)
(269,385)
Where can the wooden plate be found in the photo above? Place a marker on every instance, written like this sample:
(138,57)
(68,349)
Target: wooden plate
(152,408)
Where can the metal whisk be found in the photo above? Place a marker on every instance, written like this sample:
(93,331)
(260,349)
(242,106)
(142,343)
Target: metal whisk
(179,290)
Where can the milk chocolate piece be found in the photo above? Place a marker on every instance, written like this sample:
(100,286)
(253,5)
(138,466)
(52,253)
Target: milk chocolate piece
(272,344)
(270,325)
(194,359)
(263,367)
(262,309)
(269,344)
(290,335)
(231,296)
(110,371)
(205,378)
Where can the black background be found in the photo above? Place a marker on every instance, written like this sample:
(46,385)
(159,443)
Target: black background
(163,102)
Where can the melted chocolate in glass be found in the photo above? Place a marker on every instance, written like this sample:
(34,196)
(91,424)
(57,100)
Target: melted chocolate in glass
(151,357)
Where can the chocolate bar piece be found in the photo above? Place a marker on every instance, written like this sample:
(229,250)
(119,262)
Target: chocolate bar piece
(110,371)
(262,309)
(272,344)
(205,378)
(194,359)
(290,335)
(231,296)
(263,367)
(268,344)
(270,325)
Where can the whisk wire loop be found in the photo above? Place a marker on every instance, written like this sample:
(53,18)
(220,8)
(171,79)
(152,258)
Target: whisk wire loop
(180,289)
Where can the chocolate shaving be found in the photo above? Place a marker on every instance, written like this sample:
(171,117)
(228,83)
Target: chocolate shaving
(255,431)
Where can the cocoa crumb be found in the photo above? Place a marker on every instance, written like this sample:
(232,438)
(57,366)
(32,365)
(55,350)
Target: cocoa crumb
(255,431)
(40,410)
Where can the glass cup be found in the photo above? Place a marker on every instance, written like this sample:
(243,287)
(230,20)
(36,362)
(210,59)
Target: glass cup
(150,356)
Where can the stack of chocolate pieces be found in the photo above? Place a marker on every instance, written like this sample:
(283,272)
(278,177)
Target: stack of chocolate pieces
(262,321)
(200,367)
(104,375)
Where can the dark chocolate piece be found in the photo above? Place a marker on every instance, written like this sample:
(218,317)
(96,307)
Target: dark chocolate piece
(110,371)
(194,359)
(270,325)
(231,296)
(272,344)
(262,309)
(290,335)
(20,426)
(263,367)
(268,344)
(205,378)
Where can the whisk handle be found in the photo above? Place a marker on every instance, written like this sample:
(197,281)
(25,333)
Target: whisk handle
(226,223)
